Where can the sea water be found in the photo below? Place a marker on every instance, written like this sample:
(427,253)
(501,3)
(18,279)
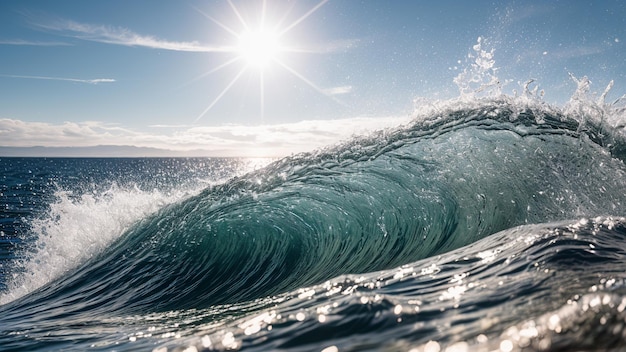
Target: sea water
(489,223)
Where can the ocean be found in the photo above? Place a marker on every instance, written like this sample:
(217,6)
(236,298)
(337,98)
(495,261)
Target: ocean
(490,222)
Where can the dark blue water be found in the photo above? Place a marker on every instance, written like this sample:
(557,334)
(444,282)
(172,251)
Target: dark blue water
(490,226)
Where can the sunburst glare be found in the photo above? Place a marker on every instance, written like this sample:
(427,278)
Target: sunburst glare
(257,46)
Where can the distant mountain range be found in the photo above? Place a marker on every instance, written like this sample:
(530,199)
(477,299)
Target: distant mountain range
(104,151)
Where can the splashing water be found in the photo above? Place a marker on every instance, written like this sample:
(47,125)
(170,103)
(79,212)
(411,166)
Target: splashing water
(78,227)
(480,79)
(459,231)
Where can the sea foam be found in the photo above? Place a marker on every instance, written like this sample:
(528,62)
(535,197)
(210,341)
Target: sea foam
(85,218)
(77,227)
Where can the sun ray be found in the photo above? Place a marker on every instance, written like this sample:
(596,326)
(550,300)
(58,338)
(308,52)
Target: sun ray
(262,90)
(232,82)
(263,10)
(227,63)
(238,14)
(215,69)
(223,26)
(311,84)
(309,13)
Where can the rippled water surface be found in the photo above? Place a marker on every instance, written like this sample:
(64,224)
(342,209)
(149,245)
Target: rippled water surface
(493,225)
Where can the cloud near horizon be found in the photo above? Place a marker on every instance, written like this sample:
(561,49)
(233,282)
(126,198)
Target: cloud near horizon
(225,140)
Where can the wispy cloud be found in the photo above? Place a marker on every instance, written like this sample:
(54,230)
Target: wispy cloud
(226,140)
(90,81)
(575,52)
(31,43)
(123,36)
(338,90)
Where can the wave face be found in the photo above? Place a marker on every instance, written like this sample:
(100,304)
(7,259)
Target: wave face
(387,207)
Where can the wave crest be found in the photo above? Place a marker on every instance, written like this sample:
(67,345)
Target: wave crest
(371,204)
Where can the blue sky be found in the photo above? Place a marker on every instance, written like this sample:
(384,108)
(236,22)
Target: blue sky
(171,74)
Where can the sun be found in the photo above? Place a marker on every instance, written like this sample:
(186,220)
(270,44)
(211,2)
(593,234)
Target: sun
(259,47)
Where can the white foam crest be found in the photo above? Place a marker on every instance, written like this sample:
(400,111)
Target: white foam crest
(78,227)
(480,86)
(433,111)
(587,106)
